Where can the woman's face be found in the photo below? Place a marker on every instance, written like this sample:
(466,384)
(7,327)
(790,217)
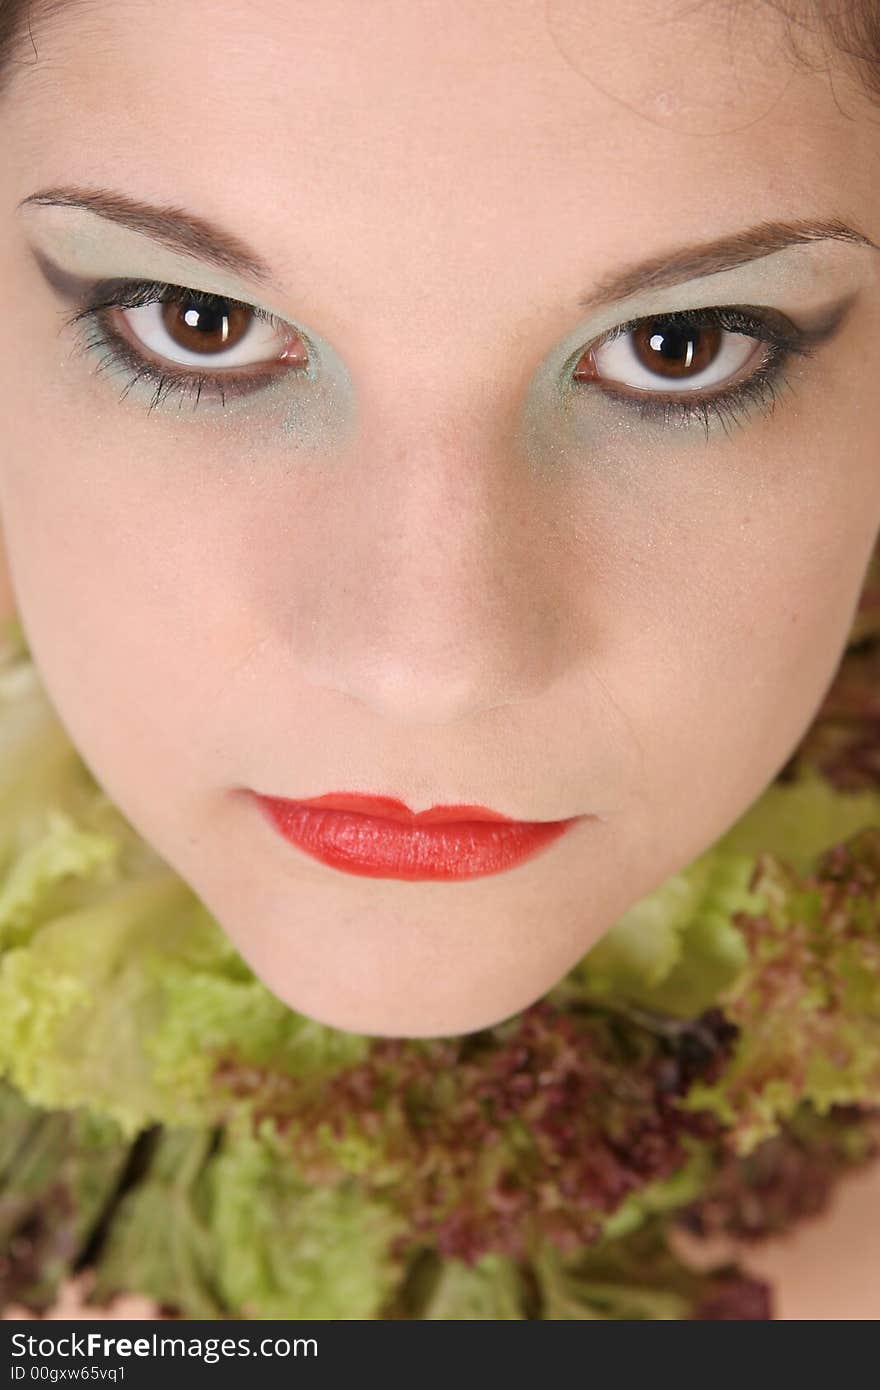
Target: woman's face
(430,545)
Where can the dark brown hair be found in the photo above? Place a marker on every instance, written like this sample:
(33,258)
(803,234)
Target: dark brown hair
(822,31)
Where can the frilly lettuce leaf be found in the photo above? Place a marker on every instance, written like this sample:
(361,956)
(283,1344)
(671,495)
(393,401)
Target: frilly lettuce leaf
(127,1005)
(236,1233)
(261,1212)
(490,1290)
(679,949)
(613,1286)
(799,821)
(58,1171)
(232,1232)
(661,1195)
(807,1004)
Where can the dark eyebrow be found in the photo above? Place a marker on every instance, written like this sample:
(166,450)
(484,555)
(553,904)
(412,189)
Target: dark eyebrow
(199,236)
(172,226)
(708,258)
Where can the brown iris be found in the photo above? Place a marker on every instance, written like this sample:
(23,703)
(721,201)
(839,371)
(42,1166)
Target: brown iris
(205,328)
(665,348)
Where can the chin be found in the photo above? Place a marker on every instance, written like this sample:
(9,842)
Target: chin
(448,1000)
(396,1018)
(382,958)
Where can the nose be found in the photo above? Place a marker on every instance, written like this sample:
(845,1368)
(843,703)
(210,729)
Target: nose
(441,593)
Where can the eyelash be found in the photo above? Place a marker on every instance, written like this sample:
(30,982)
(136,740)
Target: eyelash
(136,294)
(733,405)
(730,406)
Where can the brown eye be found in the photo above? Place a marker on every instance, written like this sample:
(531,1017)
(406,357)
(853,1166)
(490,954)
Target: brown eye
(195,329)
(210,329)
(658,354)
(675,350)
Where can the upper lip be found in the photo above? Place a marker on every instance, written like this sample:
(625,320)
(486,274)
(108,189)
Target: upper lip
(391,808)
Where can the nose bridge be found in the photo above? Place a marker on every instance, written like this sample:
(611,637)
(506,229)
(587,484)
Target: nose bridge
(444,599)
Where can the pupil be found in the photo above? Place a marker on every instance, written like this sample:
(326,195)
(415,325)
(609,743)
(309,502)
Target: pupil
(674,344)
(206,320)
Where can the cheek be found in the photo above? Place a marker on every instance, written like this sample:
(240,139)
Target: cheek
(119,585)
(730,656)
(740,563)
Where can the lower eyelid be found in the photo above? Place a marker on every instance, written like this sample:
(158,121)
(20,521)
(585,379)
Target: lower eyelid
(165,380)
(112,322)
(135,356)
(725,407)
(754,364)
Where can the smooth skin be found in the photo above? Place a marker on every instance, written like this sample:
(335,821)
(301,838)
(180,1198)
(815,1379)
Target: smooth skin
(444,584)
(438,581)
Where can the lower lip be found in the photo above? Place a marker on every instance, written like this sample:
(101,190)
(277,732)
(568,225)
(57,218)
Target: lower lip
(407,847)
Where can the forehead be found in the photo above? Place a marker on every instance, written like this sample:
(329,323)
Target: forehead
(416,134)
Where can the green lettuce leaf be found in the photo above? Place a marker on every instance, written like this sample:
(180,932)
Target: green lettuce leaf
(490,1290)
(58,1172)
(679,949)
(808,1002)
(219,1227)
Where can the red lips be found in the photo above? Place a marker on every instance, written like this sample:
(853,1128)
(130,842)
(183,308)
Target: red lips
(380,837)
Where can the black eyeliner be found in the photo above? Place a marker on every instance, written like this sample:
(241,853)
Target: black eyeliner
(95,298)
(776,330)
(729,405)
(74,288)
